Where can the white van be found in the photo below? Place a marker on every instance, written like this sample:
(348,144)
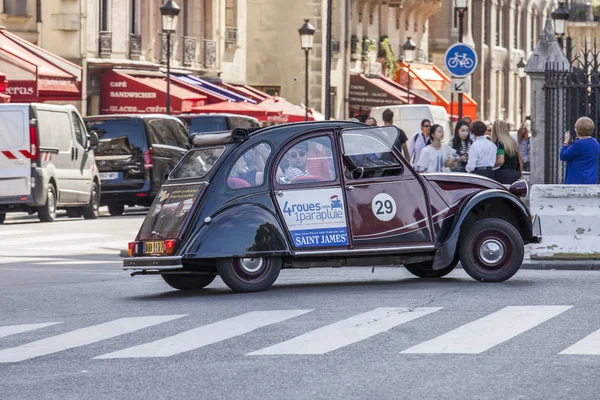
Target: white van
(408,118)
(47,162)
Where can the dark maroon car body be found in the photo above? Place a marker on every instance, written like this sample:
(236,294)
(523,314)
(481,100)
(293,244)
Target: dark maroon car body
(241,232)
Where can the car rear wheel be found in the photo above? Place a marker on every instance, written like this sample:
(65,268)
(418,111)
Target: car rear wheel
(116,210)
(492,250)
(188,281)
(425,270)
(91,211)
(245,275)
(47,212)
(74,212)
(2,218)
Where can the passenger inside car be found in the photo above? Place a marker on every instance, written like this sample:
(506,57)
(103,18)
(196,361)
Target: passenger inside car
(250,167)
(308,161)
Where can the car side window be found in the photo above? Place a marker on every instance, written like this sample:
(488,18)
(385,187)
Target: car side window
(239,122)
(307,161)
(157,131)
(249,169)
(177,135)
(80,132)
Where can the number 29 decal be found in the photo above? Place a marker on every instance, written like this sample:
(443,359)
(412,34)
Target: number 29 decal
(384,207)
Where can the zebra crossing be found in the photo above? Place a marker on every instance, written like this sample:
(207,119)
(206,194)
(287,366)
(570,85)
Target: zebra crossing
(472,338)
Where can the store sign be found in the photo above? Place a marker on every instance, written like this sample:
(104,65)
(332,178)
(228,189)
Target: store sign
(22,91)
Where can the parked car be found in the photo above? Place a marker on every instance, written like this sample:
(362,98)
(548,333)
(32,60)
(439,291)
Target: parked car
(47,162)
(211,123)
(408,117)
(321,194)
(135,155)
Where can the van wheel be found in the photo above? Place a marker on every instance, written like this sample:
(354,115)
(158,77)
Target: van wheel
(47,212)
(74,212)
(188,282)
(116,210)
(2,218)
(91,211)
(244,275)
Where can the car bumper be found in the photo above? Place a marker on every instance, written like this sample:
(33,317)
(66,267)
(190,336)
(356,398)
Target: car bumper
(152,264)
(536,230)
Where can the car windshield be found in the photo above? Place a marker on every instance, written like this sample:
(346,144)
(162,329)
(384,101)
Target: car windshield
(205,124)
(118,136)
(197,163)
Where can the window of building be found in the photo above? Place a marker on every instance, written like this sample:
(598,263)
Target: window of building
(249,169)
(516,32)
(104,15)
(136,17)
(231,13)
(15,7)
(185,11)
(498,27)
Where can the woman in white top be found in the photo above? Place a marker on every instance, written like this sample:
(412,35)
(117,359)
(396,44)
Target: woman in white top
(437,156)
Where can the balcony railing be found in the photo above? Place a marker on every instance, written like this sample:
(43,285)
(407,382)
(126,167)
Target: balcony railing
(105,44)
(189,51)
(163,47)
(210,54)
(231,36)
(135,46)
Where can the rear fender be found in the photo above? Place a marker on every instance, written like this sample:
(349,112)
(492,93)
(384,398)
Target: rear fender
(446,253)
(238,231)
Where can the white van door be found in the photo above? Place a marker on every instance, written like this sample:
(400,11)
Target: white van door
(15,156)
(84,160)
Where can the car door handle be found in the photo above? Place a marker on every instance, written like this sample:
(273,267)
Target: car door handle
(76,153)
(72,153)
(350,188)
(279,193)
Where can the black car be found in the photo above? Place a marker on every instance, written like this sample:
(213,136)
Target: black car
(135,155)
(197,124)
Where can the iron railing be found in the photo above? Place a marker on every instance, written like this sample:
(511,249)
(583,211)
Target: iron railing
(189,51)
(210,54)
(135,46)
(105,44)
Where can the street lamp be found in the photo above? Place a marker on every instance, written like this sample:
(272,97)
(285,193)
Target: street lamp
(560,16)
(307,35)
(408,50)
(460,8)
(169,12)
(521,73)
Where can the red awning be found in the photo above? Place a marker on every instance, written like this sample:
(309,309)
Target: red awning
(287,112)
(32,74)
(211,97)
(126,94)
(244,91)
(4,98)
(241,108)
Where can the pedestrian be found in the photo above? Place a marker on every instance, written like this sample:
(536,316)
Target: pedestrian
(524,145)
(488,130)
(482,153)
(436,157)
(371,121)
(461,143)
(419,141)
(508,164)
(400,144)
(581,156)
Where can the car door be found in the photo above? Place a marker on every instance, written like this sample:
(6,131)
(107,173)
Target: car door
(387,204)
(84,160)
(308,192)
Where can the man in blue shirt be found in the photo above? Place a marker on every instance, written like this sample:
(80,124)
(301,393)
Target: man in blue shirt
(582,155)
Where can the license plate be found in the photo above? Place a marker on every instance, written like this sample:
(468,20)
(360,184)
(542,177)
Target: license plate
(154,247)
(108,176)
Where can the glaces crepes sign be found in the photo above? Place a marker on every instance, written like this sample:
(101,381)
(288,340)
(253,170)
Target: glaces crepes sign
(315,218)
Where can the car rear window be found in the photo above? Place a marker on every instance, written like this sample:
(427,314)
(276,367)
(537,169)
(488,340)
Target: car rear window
(205,124)
(118,136)
(197,163)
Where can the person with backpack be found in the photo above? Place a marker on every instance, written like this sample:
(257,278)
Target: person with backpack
(419,142)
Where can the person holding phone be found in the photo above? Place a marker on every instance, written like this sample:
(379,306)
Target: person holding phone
(581,155)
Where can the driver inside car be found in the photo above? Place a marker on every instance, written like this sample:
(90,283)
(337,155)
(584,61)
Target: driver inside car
(297,158)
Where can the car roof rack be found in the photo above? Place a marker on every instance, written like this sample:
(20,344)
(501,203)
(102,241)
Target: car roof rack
(212,139)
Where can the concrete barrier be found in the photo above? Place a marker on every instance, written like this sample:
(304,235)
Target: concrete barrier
(570,218)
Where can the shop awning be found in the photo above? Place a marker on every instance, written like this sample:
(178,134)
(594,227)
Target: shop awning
(123,93)
(228,95)
(4,98)
(241,108)
(35,74)
(244,91)
(432,82)
(286,111)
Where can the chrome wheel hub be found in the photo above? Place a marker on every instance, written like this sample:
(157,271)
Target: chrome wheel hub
(491,251)
(251,265)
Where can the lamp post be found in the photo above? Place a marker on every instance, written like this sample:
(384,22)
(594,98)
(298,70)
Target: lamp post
(560,16)
(521,74)
(460,8)
(408,50)
(169,12)
(307,33)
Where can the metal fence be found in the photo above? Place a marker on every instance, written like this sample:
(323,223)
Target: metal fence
(572,91)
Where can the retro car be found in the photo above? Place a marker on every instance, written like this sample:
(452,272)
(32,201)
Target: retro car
(246,204)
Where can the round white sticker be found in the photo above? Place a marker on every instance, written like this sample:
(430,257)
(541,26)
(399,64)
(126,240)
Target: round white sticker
(384,207)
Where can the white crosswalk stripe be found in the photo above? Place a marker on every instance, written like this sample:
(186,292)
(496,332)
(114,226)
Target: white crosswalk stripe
(347,331)
(81,337)
(206,335)
(489,331)
(588,346)
(51,239)
(14,329)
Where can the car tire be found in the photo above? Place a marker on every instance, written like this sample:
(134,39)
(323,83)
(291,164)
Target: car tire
(425,270)
(492,250)
(188,281)
(47,212)
(91,211)
(2,218)
(74,212)
(116,210)
(244,275)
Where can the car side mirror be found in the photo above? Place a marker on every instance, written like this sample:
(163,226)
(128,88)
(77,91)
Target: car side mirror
(93,140)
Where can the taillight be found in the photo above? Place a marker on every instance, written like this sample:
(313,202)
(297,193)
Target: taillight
(33,141)
(169,246)
(134,248)
(148,159)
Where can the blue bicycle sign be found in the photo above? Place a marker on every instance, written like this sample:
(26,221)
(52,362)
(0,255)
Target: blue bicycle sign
(460,60)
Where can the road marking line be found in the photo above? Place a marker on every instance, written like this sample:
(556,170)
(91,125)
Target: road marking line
(51,238)
(206,335)
(16,232)
(20,260)
(81,337)
(77,262)
(14,329)
(589,346)
(347,331)
(489,331)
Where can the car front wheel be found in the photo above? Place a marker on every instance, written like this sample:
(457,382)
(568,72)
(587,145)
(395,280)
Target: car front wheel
(244,275)
(188,281)
(425,269)
(492,250)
